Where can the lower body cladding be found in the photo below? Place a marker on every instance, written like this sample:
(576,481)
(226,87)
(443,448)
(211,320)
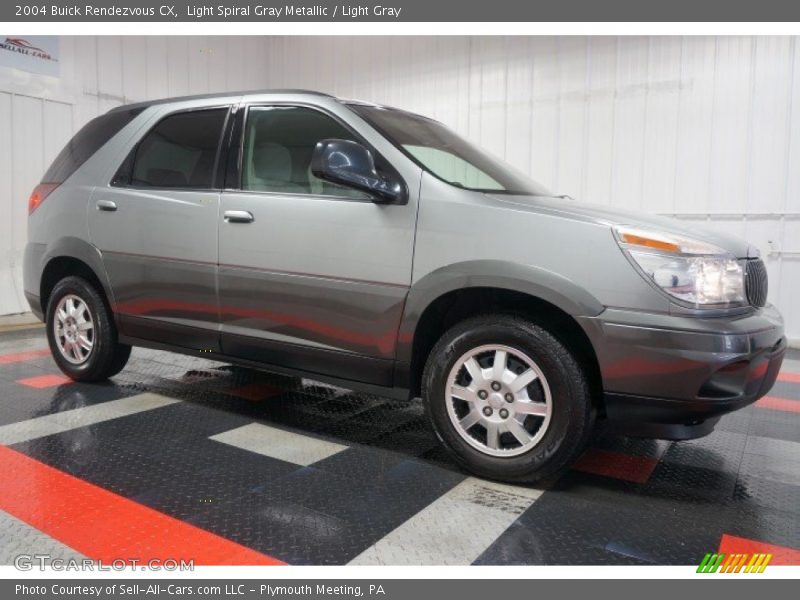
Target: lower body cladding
(672,377)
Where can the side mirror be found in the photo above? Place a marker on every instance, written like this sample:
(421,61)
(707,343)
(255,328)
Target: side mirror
(350,164)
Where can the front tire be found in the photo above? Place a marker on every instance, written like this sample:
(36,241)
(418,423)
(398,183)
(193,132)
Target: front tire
(507,398)
(81,332)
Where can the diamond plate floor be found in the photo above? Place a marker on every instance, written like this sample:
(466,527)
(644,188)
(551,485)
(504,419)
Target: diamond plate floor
(294,471)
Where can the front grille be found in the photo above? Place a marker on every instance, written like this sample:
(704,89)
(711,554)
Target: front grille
(755,282)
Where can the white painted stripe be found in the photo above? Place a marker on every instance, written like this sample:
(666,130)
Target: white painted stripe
(774,449)
(22,345)
(18,538)
(455,529)
(22,431)
(278,443)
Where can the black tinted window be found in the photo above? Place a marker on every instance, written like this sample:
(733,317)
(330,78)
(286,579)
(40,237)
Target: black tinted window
(279,142)
(180,151)
(86,142)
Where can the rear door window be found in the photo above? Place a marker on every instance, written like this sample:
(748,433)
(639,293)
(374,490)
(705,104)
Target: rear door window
(180,151)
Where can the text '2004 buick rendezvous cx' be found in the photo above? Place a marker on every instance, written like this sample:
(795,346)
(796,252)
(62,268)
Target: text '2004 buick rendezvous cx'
(377,250)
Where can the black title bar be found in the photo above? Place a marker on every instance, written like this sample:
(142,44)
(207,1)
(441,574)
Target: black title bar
(400,11)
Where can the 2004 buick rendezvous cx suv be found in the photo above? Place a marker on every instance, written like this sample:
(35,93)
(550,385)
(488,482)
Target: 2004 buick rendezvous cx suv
(377,250)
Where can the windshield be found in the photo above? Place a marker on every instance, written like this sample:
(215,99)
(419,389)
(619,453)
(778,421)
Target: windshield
(446,155)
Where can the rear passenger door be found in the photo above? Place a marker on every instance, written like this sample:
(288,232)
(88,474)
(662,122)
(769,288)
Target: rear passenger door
(156,226)
(312,275)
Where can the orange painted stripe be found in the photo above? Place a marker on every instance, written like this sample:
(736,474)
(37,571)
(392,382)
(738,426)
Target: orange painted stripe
(7,359)
(45,381)
(616,464)
(790,377)
(781,555)
(256,391)
(775,403)
(105,526)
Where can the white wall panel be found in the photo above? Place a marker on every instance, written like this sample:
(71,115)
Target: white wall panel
(705,129)
(177,59)
(695,110)
(109,73)
(792,199)
(134,67)
(198,60)
(572,75)
(9,299)
(27,140)
(544,111)
(84,77)
(231,76)
(791,235)
(630,117)
(156,61)
(490,94)
(519,81)
(38,114)
(57,129)
(731,125)
(601,100)
(771,103)
(661,125)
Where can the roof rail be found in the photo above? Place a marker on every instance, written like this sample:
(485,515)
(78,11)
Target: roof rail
(147,103)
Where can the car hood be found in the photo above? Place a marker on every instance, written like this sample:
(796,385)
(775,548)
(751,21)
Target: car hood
(572,209)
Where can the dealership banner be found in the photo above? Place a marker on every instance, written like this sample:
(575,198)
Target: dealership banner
(32,53)
(400,11)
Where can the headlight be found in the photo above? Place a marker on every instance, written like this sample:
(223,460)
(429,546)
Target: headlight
(690,270)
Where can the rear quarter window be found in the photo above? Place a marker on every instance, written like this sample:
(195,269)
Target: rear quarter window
(86,142)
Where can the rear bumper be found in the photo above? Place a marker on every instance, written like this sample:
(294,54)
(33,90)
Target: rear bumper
(31,276)
(36,305)
(673,377)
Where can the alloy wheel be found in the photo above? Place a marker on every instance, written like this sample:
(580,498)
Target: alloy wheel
(498,400)
(73,327)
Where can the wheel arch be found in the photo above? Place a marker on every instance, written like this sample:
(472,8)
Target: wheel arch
(73,256)
(447,296)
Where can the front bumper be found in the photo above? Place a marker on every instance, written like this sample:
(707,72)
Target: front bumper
(672,377)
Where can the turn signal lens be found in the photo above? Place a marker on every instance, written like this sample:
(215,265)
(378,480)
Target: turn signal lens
(633,238)
(649,242)
(40,192)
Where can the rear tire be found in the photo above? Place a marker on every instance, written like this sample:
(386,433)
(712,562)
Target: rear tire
(81,332)
(495,423)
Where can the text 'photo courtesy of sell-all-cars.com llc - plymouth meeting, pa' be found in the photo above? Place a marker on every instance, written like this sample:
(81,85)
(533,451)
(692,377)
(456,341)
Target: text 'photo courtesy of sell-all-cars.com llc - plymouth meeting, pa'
(377,250)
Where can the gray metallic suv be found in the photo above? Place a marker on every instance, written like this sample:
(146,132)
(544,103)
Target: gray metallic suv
(377,250)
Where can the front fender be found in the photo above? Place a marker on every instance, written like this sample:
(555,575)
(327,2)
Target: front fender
(534,281)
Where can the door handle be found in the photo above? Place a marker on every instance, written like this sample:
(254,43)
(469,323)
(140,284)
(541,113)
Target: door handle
(238,216)
(108,205)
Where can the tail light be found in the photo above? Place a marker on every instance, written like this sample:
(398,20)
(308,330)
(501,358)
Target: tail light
(40,192)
